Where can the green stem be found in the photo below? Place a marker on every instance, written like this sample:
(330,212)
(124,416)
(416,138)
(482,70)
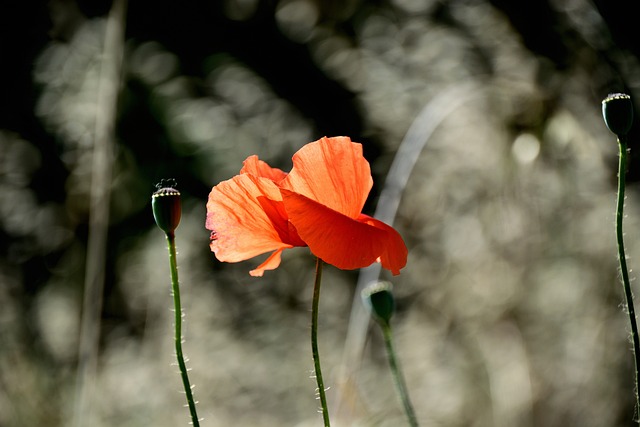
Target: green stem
(397,376)
(314,342)
(171,241)
(622,142)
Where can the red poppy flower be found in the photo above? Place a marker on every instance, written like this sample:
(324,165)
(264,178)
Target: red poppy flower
(318,204)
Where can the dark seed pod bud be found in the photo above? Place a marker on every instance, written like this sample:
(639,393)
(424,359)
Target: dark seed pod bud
(166,205)
(378,297)
(617,110)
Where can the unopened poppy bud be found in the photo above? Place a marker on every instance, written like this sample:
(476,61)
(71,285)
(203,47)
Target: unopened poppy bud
(378,297)
(617,110)
(166,206)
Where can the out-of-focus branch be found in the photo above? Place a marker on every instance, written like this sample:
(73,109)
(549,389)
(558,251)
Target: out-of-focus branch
(107,97)
(405,159)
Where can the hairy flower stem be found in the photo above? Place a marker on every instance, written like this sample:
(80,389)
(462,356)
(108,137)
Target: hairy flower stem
(397,376)
(622,143)
(171,241)
(314,342)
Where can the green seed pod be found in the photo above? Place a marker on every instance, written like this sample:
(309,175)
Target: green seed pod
(378,297)
(166,206)
(617,110)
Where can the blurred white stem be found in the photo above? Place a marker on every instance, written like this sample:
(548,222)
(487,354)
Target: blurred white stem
(109,85)
(405,159)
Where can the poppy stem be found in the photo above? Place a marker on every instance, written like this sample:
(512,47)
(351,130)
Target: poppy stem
(314,342)
(171,242)
(397,375)
(622,143)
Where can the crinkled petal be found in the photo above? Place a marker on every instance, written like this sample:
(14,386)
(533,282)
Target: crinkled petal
(244,218)
(270,263)
(341,241)
(257,167)
(395,254)
(334,173)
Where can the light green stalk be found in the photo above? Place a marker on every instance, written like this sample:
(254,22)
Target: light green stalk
(314,342)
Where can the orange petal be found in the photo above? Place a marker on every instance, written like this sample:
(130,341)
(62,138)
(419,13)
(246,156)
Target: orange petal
(334,173)
(271,263)
(395,256)
(259,168)
(342,241)
(241,227)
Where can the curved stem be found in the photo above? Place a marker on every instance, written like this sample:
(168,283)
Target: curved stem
(622,142)
(314,342)
(171,241)
(397,376)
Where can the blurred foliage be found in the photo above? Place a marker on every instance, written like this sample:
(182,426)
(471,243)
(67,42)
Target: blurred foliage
(509,309)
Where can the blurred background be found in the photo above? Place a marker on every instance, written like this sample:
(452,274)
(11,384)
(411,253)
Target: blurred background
(510,311)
